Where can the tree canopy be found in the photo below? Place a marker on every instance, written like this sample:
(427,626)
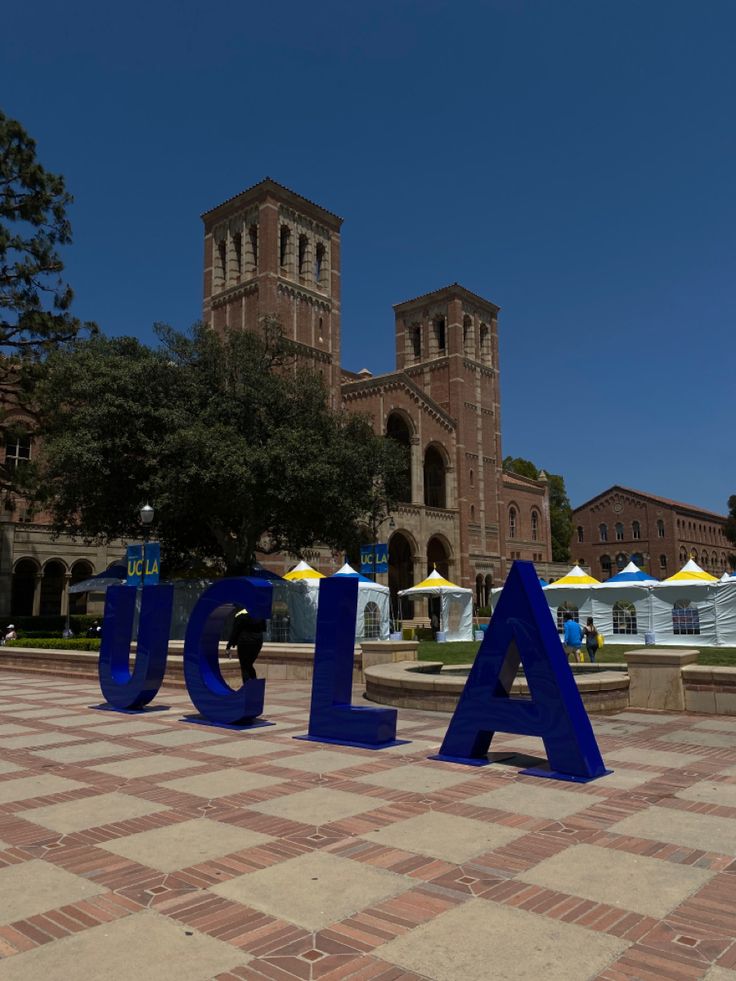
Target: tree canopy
(560,509)
(730,527)
(232,442)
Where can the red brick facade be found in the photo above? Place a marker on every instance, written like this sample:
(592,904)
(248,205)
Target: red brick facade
(269,251)
(661,535)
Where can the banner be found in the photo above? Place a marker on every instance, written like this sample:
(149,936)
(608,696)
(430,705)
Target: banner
(140,571)
(373,558)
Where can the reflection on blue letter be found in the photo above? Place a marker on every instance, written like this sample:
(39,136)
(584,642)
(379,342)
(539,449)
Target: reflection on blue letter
(332,718)
(213,698)
(522,627)
(119,687)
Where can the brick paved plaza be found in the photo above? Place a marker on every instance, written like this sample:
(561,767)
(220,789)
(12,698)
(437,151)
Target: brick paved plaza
(149,846)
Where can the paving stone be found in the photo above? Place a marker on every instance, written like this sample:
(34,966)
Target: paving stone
(36,887)
(243,749)
(711,793)
(417,779)
(652,757)
(719,974)
(537,801)
(145,766)
(701,737)
(314,890)
(91,812)
(444,836)
(39,739)
(317,806)
(221,783)
(479,940)
(187,843)
(646,718)
(188,735)
(144,946)
(42,785)
(85,751)
(625,778)
(132,727)
(605,875)
(10,729)
(6,767)
(82,720)
(322,761)
(700,831)
(43,714)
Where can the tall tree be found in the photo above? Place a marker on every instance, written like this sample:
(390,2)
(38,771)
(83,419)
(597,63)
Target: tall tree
(35,301)
(730,528)
(560,509)
(235,446)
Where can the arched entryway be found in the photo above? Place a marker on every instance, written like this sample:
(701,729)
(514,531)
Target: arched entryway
(78,601)
(400,569)
(438,557)
(52,588)
(397,429)
(24,587)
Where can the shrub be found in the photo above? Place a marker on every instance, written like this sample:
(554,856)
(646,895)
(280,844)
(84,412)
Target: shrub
(57,643)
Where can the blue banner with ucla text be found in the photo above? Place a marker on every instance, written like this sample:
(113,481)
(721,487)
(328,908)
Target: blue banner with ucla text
(144,563)
(373,558)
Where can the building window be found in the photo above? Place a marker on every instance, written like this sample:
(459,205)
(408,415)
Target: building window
(660,528)
(603,532)
(635,530)
(624,618)
(222,256)
(372,621)
(467,335)
(17,451)
(439,327)
(253,235)
(606,565)
(619,532)
(512,522)
(663,563)
(238,249)
(683,555)
(535,526)
(581,536)
(319,261)
(685,618)
(472,478)
(620,561)
(284,245)
(416,340)
(484,341)
(561,611)
(303,242)
(472,512)
(434,479)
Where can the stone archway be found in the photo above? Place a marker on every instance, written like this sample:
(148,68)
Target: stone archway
(438,557)
(24,586)
(398,429)
(435,479)
(52,587)
(80,571)
(400,568)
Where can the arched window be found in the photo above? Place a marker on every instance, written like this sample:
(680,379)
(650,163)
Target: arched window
(416,340)
(535,526)
(635,530)
(434,479)
(660,528)
(78,601)
(512,522)
(479,590)
(319,262)
(472,512)
(606,565)
(439,329)
(52,587)
(620,561)
(624,618)
(619,532)
(713,560)
(694,555)
(372,621)
(561,611)
(685,618)
(603,532)
(472,478)
(397,429)
(581,535)
(284,237)
(663,563)
(488,588)
(303,250)
(683,555)
(17,450)
(24,585)
(468,345)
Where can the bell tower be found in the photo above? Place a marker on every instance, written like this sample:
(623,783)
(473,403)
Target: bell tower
(269,251)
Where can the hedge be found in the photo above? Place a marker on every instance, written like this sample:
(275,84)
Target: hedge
(48,626)
(57,643)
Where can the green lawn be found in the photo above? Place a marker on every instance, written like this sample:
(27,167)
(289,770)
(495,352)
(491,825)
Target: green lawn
(463,652)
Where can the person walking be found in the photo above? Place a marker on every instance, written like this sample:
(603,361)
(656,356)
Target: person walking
(573,637)
(247,637)
(591,639)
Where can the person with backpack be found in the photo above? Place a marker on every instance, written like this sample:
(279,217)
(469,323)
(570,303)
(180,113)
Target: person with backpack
(591,639)
(247,637)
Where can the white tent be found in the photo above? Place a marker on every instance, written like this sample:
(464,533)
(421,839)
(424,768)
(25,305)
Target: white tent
(374,607)
(303,602)
(456,605)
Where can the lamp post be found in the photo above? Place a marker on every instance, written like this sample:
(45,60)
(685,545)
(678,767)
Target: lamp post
(146,515)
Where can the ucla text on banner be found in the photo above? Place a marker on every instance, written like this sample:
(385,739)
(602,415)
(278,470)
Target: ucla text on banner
(143,571)
(373,558)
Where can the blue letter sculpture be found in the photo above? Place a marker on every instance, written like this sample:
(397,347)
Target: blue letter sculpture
(522,628)
(214,699)
(121,689)
(332,719)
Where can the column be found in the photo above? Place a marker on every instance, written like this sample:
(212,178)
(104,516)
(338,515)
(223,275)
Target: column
(37,595)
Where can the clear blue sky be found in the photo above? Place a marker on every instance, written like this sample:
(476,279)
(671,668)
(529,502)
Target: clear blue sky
(572,161)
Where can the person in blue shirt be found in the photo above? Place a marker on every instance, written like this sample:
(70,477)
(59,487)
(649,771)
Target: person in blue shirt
(573,637)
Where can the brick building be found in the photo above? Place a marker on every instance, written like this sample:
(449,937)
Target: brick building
(270,251)
(658,534)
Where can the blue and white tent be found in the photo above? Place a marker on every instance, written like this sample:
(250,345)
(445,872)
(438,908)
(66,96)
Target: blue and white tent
(631,575)
(374,606)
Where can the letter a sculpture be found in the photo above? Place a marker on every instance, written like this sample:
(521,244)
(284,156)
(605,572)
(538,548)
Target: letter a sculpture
(523,631)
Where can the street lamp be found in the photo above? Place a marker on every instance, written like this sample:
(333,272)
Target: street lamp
(146,515)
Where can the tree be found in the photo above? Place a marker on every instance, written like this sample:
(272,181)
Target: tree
(560,509)
(35,302)
(233,442)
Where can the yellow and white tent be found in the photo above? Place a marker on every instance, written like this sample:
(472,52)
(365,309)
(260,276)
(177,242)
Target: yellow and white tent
(303,602)
(576,578)
(456,604)
(689,573)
